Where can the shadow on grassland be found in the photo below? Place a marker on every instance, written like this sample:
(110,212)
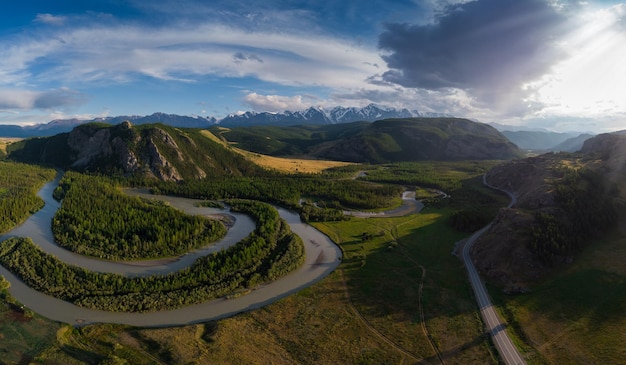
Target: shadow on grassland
(384,276)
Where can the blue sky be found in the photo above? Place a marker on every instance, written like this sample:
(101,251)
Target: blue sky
(539,63)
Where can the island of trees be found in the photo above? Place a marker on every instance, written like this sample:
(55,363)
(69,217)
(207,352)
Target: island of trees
(98,219)
(271,251)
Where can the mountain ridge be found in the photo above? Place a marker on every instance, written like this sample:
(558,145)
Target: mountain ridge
(175,154)
(312,115)
(318,115)
(386,140)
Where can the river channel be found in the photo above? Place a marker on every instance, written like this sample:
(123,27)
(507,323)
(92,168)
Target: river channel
(322,257)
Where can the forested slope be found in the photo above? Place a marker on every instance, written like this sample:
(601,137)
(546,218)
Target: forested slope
(389,140)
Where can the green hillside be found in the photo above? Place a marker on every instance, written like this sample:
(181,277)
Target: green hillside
(287,141)
(389,140)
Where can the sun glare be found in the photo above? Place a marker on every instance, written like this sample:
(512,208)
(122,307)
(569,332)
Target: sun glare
(592,81)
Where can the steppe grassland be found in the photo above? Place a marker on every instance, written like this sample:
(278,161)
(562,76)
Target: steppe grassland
(4,142)
(288,165)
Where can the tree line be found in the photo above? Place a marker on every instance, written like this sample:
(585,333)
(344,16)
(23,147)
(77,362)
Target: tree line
(19,184)
(271,251)
(286,190)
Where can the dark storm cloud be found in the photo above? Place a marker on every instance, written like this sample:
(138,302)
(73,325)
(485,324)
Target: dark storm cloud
(487,47)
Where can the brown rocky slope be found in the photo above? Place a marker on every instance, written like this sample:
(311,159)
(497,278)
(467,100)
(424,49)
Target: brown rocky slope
(563,202)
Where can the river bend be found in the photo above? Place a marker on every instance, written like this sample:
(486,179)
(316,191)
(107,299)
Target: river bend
(322,257)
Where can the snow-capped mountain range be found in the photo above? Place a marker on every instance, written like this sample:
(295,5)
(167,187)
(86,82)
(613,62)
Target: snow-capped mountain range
(313,115)
(317,115)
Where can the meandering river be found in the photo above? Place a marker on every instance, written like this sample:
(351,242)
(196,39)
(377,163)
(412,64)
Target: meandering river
(322,257)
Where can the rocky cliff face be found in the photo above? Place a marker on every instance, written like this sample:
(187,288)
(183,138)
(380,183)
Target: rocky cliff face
(150,150)
(160,166)
(123,147)
(89,146)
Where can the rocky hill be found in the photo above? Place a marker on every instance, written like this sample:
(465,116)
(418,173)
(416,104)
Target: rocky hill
(564,201)
(611,149)
(158,151)
(389,140)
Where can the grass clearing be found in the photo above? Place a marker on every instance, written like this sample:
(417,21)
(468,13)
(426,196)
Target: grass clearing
(288,165)
(577,315)
(383,275)
(23,336)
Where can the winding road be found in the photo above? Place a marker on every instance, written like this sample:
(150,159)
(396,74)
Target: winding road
(322,257)
(497,330)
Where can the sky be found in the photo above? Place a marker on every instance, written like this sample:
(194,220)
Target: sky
(553,64)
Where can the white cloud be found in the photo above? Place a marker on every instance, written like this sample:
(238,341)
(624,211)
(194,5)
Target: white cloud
(592,80)
(290,48)
(117,54)
(50,19)
(274,103)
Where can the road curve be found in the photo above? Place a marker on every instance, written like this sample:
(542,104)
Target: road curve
(322,257)
(497,330)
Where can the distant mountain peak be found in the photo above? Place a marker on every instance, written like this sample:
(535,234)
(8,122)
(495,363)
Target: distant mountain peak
(313,115)
(320,115)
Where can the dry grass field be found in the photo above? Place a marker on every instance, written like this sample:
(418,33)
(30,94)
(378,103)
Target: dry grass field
(288,165)
(6,141)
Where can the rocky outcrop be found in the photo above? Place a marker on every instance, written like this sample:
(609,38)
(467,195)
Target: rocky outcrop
(169,142)
(126,157)
(90,146)
(155,151)
(119,146)
(160,166)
